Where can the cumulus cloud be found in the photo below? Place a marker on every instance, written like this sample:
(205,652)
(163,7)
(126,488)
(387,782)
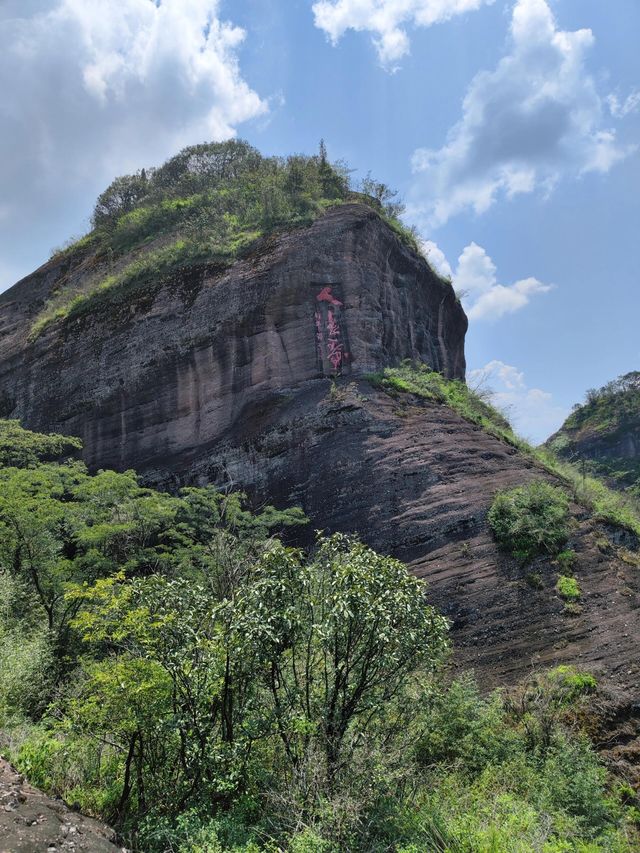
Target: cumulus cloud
(475,280)
(387,20)
(93,88)
(532,411)
(535,118)
(436,258)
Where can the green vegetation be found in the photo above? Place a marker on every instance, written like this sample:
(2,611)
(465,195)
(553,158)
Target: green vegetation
(530,520)
(567,588)
(606,419)
(167,664)
(607,407)
(20,448)
(603,503)
(420,380)
(566,560)
(206,206)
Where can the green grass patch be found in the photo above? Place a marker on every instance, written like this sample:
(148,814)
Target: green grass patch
(530,520)
(430,385)
(568,588)
(566,560)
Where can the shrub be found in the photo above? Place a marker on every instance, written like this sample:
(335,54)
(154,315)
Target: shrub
(566,560)
(568,588)
(569,683)
(530,520)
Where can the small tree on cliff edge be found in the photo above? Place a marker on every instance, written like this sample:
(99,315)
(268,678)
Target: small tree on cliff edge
(334,184)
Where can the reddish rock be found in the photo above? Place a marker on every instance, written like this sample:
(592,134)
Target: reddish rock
(229,378)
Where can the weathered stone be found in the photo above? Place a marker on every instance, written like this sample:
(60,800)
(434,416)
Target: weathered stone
(143,382)
(221,379)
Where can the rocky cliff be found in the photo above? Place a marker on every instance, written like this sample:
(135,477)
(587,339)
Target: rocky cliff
(604,433)
(161,377)
(256,378)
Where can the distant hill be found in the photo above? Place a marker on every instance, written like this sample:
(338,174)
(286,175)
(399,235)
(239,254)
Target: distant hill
(604,433)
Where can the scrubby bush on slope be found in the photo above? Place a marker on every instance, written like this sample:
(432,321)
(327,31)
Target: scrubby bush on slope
(531,520)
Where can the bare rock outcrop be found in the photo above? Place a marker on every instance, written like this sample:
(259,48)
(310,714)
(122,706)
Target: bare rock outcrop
(256,378)
(168,371)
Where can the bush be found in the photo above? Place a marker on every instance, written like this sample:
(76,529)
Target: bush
(566,560)
(167,665)
(568,588)
(530,520)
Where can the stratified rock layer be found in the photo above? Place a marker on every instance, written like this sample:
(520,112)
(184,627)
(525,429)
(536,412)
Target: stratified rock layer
(255,378)
(172,369)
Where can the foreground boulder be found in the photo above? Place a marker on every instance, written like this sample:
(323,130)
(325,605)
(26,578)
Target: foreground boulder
(31,822)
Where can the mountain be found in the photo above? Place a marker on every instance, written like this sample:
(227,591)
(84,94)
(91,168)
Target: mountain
(253,324)
(258,372)
(603,433)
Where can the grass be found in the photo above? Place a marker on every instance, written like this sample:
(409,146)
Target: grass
(150,268)
(567,588)
(530,520)
(604,504)
(430,385)
(209,202)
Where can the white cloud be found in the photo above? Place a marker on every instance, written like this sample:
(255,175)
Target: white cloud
(387,20)
(532,411)
(536,117)
(500,300)
(621,109)
(437,258)
(475,280)
(94,88)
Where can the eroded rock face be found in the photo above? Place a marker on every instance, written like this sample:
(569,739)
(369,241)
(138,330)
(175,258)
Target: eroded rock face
(256,379)
(167,373)
(415,480)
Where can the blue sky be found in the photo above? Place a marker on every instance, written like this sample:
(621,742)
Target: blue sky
(510,128)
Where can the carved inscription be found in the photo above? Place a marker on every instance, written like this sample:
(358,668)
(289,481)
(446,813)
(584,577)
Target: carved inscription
(330,331)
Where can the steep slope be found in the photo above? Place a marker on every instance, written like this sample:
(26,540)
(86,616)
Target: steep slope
(173,367)
(604,433)
(255,377)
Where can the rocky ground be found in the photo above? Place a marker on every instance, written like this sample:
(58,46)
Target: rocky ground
(31,822)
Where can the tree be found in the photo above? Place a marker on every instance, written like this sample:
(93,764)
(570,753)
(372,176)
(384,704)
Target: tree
(334,184)
(121,196)
(21,448)
(384,195)
(338,637)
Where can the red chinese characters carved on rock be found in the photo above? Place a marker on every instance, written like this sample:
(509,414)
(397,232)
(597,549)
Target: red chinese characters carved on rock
(335,349)
(329,337)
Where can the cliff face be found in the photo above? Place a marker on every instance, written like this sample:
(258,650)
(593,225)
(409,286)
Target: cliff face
(255,378)
(604,433)
(167,373)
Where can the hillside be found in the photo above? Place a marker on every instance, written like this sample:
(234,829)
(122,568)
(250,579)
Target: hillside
(603,434)
(272,357)
(225,376)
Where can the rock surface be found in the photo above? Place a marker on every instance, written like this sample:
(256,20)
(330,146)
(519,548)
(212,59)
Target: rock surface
(172,369)
(31,822)
(414,479)
(255,378)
